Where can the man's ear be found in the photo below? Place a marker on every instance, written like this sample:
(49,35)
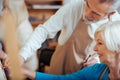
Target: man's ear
(110,14)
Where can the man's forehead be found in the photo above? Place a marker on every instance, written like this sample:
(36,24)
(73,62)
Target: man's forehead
(100,7)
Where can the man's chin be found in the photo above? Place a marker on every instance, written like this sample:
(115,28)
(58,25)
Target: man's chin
(89,22)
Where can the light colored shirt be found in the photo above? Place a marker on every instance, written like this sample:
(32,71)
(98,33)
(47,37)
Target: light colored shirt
(24,30)
(65,19)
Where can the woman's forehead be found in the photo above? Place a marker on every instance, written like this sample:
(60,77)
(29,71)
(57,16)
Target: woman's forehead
(98,35)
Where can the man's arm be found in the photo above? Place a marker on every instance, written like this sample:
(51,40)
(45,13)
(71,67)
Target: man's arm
(42,32)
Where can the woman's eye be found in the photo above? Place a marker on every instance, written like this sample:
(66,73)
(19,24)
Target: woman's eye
(100,43)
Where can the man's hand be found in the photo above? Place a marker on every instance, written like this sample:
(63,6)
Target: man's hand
(92,59)
(90,62)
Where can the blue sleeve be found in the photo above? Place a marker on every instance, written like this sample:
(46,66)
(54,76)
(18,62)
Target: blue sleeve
(74,76)
(88,73)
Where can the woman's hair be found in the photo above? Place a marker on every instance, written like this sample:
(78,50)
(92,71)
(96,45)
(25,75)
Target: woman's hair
(110,34)
(115,4)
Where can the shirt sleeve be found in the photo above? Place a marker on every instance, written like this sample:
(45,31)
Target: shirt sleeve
(74,76)
(88,73)
(24,31)
(79,75)
(47,30)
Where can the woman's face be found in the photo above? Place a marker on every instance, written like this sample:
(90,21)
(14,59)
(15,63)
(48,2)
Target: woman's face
(105,55)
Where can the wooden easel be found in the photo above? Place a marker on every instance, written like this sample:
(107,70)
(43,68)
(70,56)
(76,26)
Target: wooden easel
(11,45)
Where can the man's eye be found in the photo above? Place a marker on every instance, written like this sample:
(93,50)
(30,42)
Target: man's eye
(96,13)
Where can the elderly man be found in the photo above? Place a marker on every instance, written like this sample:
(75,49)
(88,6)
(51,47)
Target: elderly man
(77,22)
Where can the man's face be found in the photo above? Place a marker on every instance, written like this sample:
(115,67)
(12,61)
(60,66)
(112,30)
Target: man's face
(94,10)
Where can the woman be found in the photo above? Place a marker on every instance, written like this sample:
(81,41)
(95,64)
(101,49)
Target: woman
(108,48)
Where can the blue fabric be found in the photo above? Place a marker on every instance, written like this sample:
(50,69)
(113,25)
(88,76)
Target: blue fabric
(88,73)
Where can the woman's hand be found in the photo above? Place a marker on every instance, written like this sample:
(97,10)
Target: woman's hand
(28,73)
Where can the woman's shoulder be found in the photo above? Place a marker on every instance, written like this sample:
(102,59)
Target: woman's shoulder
(93,68)
(92,72)
(96,68)
(99,65)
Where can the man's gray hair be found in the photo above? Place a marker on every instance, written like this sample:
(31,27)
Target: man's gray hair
(115,4)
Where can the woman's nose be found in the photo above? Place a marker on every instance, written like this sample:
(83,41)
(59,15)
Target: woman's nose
(95,48)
